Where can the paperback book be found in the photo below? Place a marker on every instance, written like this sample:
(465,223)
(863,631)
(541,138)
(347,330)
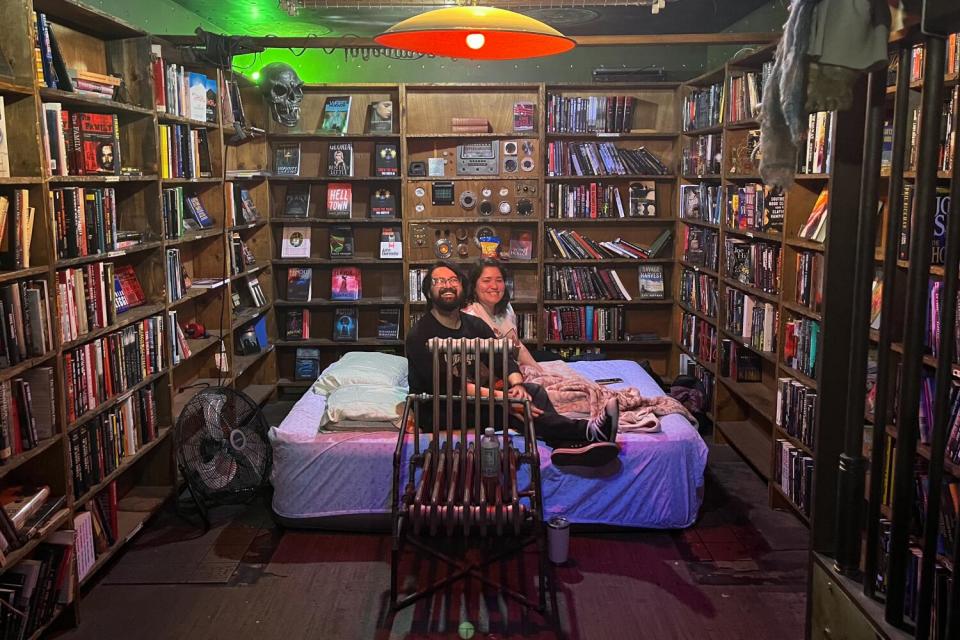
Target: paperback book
(650,282)
(643,199)
(298,324)
(296,242)
(339,200)
(391,243)
(345,284)
(340,159)
(345,323)
(381,117)
(336,114)
(383,204)
(307,364)
(385,160)
(299,284)
(341,242)
(388,324)
(286,159)
(297,201)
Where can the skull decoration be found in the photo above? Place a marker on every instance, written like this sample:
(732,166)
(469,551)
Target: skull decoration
(283,89)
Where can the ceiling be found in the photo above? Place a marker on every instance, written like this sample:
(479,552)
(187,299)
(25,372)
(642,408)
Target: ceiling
(266,17)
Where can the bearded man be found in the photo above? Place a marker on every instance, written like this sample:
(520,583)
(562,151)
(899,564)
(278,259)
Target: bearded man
(574,442)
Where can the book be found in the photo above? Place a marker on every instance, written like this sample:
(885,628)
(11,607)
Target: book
(774,209)
(339,199)
(650,282)
(296,242)
(4,150)
(521,246)
(298,324)
(346,284)
(127,290)
(286,159)
(21,502)
(523,113)
(307,363)
(336,114)
(381,117)
(340,159)
(643,199)
(815,228)
(248,208)
(195,207)
(297,201)
(99,143)
(300,284)
(388,323)
(383,204)
(198,97)
(385,160)
(341,241)
(345,323)
(391,243)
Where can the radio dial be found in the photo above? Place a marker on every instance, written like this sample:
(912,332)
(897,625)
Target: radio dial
(505,207)
(524,207)
(504,192)
(419,192)
(486,208)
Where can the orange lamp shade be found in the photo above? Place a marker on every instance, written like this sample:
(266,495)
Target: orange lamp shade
(476,33)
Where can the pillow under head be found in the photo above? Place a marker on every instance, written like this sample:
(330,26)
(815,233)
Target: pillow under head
(363,368)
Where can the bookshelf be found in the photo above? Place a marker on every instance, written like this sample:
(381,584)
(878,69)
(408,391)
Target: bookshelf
(136,481)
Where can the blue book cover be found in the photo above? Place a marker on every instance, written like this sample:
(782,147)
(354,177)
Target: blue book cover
(261,330)
(589,322)
(336,114)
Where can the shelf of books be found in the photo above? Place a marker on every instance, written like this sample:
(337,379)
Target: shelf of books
(750,261)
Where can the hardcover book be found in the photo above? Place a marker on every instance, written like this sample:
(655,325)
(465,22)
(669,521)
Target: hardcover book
(307,364)
(523,116)
(339,199)
(643,199)
(127,290)
(383,204)
(341,242)
(286,159)
(345,284)
(345,323)
(340,159)
(388,324)
(391,243)
(300,284)
(298,324)
(297,201)
(296,242)
(381,117)
(650,282)
(385,160)
(99,141)
(690,205)
(336,114)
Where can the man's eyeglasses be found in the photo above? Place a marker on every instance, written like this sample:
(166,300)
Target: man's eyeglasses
(439,282)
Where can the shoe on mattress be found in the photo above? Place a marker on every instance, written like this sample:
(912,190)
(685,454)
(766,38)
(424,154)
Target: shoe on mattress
(603,428)
(585,454)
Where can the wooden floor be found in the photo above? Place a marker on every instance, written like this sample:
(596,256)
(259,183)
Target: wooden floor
(738,574)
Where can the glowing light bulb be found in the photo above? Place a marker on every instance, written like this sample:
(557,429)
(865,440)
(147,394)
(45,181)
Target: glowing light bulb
(475,40)
(255,75)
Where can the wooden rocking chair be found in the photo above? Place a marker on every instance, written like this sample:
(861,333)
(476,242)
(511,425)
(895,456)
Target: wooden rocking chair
(444,495)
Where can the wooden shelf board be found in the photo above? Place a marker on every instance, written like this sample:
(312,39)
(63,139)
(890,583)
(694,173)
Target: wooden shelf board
(612,177)
(248,315)
(249,272)
(12,87)
(56,180)
(327,135)
(741,124)
(110,255)
(294,221)
(612,303)
(814,177)
(512,135)
(294,384)
(91,103)
(693,267)
(333,179)
(766,355)
(181,399)
(129,524)
(124,465)
(13,462)
(185,181)
(327,342)
(259,393)
(801,243)
(929,360)
(115,400)
(128,317)
(598,262)
(9,373)
(689,177)
(601,221)
(799,309)
(793,508)
(196,292)
(57,612)
(169,118)
(627,135)
(746,288)
(703,131)
(750,442)
(243,363)
(15,556)
(639,344)
(198,347)
(700,223)
(709,366)
(792,440)
(346,261)
(193,236)
(7,276)
(237,228)
(802,377)
(760,397)
(741,177)
(687,309)
(529,220)
(322,302)
(18,180)
(750,233)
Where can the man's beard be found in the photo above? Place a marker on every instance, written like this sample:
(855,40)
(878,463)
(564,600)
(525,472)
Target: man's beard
(448,305)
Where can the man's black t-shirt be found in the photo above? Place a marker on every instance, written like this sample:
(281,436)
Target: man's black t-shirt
(420,360)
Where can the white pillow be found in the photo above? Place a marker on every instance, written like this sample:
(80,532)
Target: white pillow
(363,367)
(371,403)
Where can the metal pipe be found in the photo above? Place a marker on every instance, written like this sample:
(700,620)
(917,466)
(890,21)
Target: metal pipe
(915,317)
(901,109)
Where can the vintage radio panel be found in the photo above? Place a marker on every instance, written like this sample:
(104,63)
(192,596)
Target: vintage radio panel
(503,158)
(432,241)
(473,199)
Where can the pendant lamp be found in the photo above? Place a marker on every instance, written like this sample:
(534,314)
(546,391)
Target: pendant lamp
(476,33)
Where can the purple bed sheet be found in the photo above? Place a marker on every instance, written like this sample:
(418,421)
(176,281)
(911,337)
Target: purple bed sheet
(657,482)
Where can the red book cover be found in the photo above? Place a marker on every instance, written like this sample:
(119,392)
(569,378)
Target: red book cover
(339,199)
(345,284)
(129,285)
(99,145)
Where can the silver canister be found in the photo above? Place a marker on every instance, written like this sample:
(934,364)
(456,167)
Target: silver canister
(558,539)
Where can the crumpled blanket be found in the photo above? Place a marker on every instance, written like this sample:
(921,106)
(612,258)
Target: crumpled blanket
(570,392)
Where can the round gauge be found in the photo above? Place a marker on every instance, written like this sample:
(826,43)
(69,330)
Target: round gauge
(504,192)
(419,208)
(468,200)
(419,192)
(505,207)
(486,192)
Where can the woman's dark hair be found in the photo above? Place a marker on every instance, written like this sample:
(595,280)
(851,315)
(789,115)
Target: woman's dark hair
(428,280)
(475,274)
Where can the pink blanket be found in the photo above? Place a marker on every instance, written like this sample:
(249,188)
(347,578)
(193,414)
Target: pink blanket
(570,393)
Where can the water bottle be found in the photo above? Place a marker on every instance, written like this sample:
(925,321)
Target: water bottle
(490,463)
